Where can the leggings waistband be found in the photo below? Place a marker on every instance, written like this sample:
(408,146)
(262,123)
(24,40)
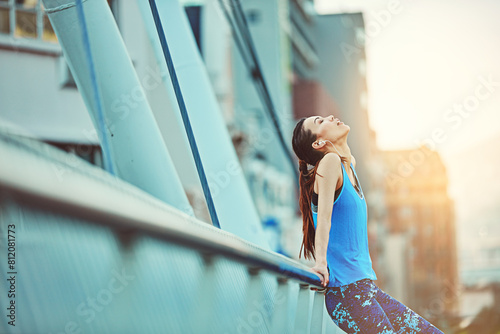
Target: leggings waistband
(343,287)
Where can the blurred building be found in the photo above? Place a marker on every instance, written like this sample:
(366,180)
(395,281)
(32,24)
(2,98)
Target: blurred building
(329,64)
(421,243)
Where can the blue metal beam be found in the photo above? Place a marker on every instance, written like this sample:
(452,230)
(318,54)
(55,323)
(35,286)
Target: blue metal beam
(137,148)
(233,201)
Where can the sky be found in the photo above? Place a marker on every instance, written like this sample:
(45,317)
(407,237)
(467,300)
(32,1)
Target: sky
(424,58)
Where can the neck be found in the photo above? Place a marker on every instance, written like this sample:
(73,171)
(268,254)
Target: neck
(343,149)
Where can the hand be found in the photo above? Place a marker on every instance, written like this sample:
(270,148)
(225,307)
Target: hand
(322,270)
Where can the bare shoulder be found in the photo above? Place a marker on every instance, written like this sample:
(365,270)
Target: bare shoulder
(329,171)
(330,162)
(353,161)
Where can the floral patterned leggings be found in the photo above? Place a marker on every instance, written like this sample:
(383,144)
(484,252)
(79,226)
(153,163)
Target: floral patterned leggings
(361,307)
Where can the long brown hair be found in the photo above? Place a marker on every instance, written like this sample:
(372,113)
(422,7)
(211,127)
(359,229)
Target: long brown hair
(302,146)
(302,140)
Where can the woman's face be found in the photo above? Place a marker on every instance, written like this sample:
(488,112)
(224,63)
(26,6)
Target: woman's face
(326,128)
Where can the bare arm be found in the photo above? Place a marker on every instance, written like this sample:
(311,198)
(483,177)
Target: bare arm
(330,169)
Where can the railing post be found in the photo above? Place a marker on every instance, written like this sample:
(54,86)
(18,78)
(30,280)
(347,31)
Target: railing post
(302,311)
(256,314)
(206,294)
(279,321)
(317,311)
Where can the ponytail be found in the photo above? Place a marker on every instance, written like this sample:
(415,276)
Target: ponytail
(307,178)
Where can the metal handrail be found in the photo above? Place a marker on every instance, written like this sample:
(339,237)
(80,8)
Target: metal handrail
(87,192)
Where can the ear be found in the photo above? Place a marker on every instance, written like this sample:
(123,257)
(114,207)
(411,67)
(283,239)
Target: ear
(318,144)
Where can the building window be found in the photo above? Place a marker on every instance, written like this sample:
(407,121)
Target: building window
(25,19)
(4,17)
(194,15)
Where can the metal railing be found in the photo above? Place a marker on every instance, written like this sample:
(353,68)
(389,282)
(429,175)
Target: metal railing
(96,254)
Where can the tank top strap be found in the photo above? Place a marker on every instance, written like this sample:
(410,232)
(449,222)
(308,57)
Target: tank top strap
(357,183)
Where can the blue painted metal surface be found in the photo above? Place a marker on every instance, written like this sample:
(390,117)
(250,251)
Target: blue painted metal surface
(136,145)
(185,116)
(106,153)
(233,201)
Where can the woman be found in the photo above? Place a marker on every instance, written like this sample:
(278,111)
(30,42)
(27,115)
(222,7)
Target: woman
(335,233)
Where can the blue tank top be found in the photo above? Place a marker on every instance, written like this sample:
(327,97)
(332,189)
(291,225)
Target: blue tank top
(348,256)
